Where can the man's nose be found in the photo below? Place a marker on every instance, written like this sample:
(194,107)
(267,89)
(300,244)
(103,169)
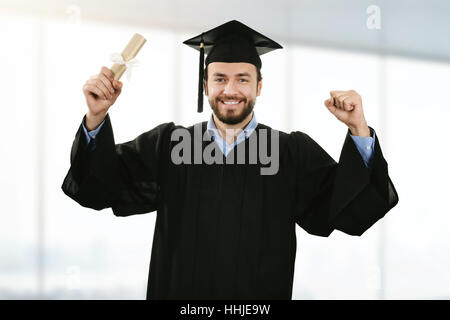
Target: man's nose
(230,88)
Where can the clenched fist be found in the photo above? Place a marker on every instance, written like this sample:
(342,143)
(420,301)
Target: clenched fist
(101,91)
(347,107)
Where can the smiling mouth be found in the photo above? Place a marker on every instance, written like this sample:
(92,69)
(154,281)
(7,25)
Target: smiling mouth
(231,103)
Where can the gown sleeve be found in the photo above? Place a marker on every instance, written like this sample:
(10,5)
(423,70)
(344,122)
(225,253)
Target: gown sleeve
(126,177)
(345,196)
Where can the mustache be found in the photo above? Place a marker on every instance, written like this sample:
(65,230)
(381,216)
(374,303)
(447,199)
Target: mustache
(231,98)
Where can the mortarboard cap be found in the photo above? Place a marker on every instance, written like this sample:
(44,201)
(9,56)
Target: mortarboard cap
(230,42)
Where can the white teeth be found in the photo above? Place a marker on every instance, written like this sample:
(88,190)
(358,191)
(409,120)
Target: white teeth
(231,102)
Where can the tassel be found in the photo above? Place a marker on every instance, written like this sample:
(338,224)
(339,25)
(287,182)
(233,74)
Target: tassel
(201,72)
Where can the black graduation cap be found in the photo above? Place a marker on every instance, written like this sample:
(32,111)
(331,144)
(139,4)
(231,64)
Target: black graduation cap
(230,42)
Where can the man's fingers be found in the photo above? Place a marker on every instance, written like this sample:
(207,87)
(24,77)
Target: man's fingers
(93,89)
(117,85)
(99,84)
(118,88)
(337,93)
(338,97)
(108,73)
(340,102)
(90,89)
(329,102)
(337,102)
(348,103)
(106,82)
(345,100)
(338,113)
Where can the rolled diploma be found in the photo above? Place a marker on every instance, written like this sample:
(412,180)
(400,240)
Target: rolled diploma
(130,51)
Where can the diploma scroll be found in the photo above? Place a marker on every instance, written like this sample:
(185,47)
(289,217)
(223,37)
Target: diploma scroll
(130,51)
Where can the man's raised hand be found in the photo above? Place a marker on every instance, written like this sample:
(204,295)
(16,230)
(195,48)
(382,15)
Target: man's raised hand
(346,106)
(100,91)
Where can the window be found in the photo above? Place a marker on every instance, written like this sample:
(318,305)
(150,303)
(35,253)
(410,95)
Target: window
(53,248)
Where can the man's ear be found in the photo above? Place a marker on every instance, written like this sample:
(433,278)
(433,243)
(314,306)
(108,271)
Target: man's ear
(258,89)
(205,86)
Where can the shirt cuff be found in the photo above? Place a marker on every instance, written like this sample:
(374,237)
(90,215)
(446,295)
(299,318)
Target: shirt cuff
(90,134)
(365,146)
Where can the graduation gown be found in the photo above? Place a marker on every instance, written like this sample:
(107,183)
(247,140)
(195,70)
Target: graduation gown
(224,231)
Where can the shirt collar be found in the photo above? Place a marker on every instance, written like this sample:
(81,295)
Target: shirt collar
(211,126)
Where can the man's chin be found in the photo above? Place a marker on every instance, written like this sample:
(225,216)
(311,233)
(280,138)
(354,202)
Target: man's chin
(230,120)
(232,116)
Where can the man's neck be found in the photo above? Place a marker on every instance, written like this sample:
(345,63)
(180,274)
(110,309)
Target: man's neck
(230,132)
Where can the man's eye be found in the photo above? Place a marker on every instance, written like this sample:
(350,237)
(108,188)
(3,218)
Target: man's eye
(219,79)
(244,80)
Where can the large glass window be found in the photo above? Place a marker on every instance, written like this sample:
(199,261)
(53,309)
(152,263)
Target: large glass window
(53,248)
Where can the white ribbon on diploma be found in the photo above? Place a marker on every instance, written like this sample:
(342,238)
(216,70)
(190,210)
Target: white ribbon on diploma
(129,65)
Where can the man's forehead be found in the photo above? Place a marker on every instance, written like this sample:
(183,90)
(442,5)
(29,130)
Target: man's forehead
(231,68)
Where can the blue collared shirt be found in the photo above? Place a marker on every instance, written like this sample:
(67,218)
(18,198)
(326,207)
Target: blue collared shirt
(364,145)
(223,145)
(90,135)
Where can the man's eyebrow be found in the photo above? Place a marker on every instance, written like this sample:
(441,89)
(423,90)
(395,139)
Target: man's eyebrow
(243,74)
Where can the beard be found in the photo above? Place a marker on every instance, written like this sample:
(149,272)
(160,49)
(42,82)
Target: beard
(232,116)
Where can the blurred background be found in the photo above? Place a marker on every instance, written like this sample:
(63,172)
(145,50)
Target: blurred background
(396,54)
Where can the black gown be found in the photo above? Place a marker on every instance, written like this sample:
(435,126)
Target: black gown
(226,231)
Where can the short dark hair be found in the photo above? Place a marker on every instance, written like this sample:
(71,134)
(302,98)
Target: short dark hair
(258,74)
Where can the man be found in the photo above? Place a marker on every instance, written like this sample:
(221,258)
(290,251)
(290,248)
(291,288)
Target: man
(225,230)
